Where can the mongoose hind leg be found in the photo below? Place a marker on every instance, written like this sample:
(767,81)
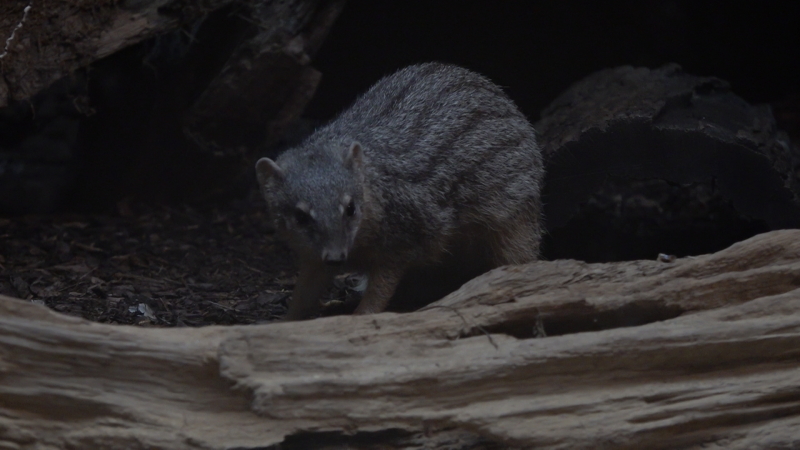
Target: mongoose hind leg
(381,285)
(517,244)
(312,282)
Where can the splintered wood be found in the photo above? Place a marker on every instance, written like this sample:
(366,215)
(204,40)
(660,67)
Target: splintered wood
(644,354)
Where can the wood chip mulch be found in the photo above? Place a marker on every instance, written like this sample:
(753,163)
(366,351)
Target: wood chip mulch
(150,265)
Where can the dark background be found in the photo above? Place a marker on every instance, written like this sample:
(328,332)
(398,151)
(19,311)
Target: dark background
(56,158)
(537,49)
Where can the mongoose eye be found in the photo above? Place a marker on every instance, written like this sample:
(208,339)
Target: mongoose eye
(351,209)
(301,217)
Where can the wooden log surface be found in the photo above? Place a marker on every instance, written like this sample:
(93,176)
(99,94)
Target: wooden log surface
(713,360)
(268,78)
(266,54)
(635,123)
(59,37)
(182,93)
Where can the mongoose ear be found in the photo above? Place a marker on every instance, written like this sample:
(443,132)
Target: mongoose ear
(352,156)
(266,169)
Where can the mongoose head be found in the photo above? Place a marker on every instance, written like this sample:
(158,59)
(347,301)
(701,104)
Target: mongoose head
(316,199)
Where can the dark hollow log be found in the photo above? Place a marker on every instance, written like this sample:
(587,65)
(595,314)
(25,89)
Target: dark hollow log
(670,139)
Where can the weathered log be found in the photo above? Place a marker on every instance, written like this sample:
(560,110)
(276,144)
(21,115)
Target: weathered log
(714,359)
(57,38)
(268,79)
(52,38)
(175,93)
(653,159)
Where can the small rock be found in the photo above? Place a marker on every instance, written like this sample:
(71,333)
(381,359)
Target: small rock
(146,311)
(663,257)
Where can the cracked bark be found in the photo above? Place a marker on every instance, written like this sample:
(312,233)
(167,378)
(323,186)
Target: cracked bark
(657,160)
(267,55)
(639,354)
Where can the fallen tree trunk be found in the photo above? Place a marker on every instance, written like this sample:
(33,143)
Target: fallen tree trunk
(715,358)
(658,160)
(181,94)
(53,39)
(639,123)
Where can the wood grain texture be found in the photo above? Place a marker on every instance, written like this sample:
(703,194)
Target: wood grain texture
(263,82)
(634,123)
(714,360)
(59,37)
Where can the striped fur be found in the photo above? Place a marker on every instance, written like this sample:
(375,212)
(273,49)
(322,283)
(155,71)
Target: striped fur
(448,164)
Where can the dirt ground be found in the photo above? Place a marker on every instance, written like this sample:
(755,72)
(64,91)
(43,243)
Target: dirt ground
(151,265)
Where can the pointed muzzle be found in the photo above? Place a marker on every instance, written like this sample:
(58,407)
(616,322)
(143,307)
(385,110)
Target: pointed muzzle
(334,257)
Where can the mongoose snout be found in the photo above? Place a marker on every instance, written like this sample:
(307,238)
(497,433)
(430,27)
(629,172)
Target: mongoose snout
(334,257)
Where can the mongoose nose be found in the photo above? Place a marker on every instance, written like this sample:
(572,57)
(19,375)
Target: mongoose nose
(334,258)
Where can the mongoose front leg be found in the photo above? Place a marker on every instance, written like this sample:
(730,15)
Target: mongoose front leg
(380,288)
(313,280)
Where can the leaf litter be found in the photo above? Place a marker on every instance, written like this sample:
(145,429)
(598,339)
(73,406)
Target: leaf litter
(151,265)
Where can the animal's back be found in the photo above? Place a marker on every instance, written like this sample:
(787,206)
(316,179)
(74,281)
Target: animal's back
(445,149)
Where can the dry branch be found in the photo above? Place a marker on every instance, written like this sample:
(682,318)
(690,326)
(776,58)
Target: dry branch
(714,360)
